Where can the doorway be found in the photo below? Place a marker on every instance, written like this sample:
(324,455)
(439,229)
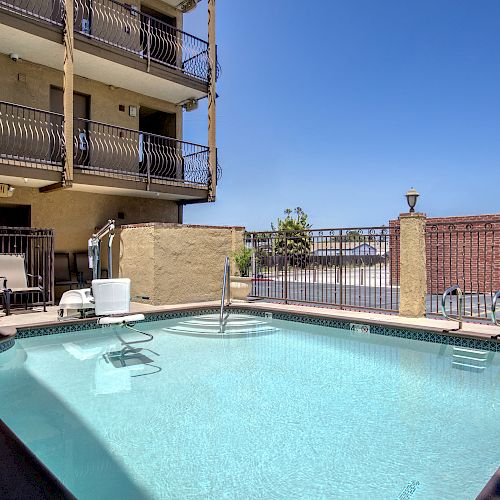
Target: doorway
(159,153)
(15,215)
(163,42)
(81,113)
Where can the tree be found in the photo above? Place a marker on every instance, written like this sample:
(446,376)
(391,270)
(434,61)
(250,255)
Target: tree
(293,238)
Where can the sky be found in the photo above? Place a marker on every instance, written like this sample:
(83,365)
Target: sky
(341,106)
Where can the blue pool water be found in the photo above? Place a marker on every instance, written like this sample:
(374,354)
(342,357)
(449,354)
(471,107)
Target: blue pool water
(298,411)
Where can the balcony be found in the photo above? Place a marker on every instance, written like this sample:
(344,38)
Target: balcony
(116,158)
(114,43)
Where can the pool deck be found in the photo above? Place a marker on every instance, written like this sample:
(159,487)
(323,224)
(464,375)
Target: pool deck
(37,318)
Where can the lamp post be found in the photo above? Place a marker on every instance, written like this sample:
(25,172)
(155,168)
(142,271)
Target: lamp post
(411,198)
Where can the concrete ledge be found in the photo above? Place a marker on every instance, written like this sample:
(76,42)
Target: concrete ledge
(470,330)
(6,332)
(444,327)
(492,489)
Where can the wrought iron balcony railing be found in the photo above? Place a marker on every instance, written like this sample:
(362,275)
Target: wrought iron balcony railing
(125,27)
(35,138)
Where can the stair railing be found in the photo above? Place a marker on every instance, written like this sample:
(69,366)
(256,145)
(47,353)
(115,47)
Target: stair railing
(225,285)
(494,309)
(460,294)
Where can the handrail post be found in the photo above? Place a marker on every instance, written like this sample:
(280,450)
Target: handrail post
(447,292)
(225,284)
(494,309)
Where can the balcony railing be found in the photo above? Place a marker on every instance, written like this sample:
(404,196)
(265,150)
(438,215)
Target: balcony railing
(35,138)
(124,27)
(31,136)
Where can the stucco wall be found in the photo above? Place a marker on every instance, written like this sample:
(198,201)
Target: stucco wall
(413,277)
(182,263)
(32,89)
(75,215)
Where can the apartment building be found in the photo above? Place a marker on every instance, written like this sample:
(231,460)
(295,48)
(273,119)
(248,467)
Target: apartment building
(92,99)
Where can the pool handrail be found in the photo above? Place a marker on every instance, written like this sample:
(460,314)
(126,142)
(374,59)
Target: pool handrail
(494,309)
(460,294)
(225,284)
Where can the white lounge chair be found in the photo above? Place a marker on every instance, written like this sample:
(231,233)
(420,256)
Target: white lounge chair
(14,280)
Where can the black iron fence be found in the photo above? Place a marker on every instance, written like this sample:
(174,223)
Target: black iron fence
(465,254)
(123,26)
(341,267)
(37,245)
(35,138)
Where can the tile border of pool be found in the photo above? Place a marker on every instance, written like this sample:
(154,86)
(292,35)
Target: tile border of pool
(444,337)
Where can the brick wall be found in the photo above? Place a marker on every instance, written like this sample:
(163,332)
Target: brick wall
(463,250)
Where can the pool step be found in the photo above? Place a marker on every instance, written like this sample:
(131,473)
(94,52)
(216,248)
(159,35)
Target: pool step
(235,325)
(469,359)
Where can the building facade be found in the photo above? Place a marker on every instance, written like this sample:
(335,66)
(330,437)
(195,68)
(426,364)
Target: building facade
(91,114)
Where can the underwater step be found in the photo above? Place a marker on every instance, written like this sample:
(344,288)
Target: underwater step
(468,367)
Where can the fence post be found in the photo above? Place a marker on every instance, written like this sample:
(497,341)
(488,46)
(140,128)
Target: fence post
(413,268)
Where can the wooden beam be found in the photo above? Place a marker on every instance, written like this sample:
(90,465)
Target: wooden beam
(212,95)
(68,70)
(52,187)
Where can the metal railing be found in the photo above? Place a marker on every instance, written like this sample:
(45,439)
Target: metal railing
(459,304)
(35,138)
(31,137)
(119,152)
(341,267)
(494,308)
(46,10)
(145,36)
(38,247)
(466,254)
(126,28)
(225,285)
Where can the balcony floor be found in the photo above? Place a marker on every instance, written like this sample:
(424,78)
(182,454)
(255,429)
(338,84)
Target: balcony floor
(39,42)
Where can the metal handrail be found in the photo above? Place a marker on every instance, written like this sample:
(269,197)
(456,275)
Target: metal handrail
(494,309)
(447,292)
(225,282)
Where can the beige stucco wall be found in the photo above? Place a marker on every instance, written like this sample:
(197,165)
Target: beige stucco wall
(32,89)
(182,263)
(75,215)
(413,270)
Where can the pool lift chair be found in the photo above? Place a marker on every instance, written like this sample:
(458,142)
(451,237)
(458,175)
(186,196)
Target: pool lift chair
(109,300)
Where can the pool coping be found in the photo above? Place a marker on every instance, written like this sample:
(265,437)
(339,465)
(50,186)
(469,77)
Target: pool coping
(435,331)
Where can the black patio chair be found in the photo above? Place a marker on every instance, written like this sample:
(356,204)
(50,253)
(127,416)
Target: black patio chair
(62,271)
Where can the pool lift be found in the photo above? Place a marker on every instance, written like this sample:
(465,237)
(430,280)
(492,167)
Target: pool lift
(109,300)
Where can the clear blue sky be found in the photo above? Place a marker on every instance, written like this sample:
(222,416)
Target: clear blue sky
(341,106)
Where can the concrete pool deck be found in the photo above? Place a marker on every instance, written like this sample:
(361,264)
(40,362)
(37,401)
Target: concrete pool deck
(36,317)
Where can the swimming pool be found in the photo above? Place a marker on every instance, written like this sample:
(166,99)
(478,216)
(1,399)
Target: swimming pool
(278,409)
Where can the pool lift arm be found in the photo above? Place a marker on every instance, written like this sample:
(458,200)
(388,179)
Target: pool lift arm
(95,249)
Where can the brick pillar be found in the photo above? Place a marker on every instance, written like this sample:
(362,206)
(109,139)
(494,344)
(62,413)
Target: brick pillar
(413,270)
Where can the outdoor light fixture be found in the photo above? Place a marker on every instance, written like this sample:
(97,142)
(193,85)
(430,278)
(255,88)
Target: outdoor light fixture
(187,5)
(190,105)
(411,197)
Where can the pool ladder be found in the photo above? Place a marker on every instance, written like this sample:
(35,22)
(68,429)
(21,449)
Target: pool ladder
(226,285)
(460,294)
(494,319)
